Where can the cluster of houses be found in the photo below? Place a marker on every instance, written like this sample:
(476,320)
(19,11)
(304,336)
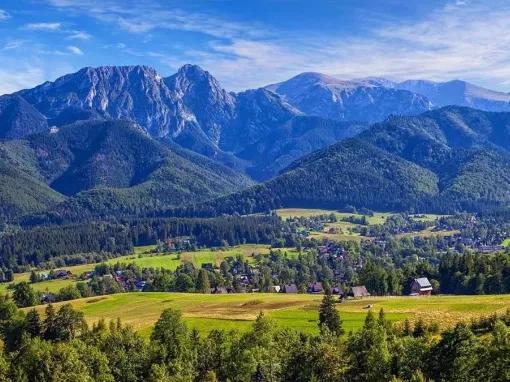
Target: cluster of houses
(60,274)
(125,282)
(419,287)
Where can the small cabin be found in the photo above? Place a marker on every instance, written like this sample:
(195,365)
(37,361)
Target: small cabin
(315,288)
(421,287)
(360,291)
(290,288)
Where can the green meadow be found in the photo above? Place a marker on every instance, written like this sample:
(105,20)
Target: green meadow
(295,311)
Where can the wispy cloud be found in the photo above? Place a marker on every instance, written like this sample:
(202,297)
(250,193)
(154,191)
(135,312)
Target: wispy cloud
(14,44)
(43,26)
(79,35)
(20,77)
(4,15)
(142,17)
(462,39)
(75,50)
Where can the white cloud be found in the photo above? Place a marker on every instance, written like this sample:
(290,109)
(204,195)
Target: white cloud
(43,26)
(15,79)
(14,44)
(79,35)
(4,15)
(75,50)
(461,39)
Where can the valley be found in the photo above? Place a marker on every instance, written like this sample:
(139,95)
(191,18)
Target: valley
(264,191)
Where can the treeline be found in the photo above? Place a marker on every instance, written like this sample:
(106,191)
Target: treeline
(69,243)
(475,273)
(38,245)
(61,347)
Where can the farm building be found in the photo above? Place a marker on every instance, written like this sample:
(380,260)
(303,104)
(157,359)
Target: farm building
(338,291)
(274,289)
(220,290)
(315,287)
(421,287)
(360,291)
(290,288)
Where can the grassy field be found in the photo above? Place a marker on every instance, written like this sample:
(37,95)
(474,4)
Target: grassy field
(342,230)
(429,232)
(297,311)
(144,258)
(287,213)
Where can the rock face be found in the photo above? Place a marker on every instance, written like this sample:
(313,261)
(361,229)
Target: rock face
(136,93)
(356,100)
(189,108)
(190,103)
(204,101)
(458,93)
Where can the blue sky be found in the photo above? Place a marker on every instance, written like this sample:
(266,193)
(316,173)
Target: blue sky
(251,43)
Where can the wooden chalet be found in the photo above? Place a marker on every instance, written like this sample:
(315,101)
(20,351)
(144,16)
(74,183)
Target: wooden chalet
(421,287)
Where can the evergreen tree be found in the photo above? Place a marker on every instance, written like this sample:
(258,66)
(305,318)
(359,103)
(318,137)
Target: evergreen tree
(329,317)
(33,323)
(455,356)
(24,295)
(50,326)
(34,277)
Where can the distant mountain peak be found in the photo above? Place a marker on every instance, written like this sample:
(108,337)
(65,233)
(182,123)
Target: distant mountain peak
(366,100)
(191,69)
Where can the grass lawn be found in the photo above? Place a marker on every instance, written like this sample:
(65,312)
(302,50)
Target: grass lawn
(297,311)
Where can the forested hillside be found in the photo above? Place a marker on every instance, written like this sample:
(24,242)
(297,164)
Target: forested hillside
(107,167)
(452,159)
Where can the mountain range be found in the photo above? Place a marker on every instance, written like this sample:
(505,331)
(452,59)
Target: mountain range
(113,141)
(450,159)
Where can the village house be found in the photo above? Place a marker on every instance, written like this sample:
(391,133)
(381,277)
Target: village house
(221,290)
(421,287)
(290,288)
(338,291)
(62,274)
(360,291)
(315,288)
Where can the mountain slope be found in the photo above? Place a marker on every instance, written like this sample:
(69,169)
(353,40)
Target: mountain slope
(21,194)
(189,109)
(296,138)
(447,160)
(113,166)
(351,172)
(18,117)
(460,93)
(327,97)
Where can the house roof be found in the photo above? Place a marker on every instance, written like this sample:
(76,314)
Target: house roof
(360,291)
(423,282)
(290,288)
